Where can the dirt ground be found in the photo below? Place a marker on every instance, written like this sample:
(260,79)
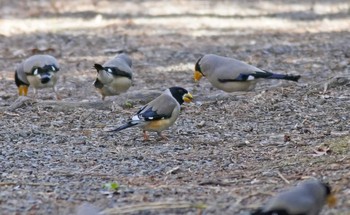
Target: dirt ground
(226,154)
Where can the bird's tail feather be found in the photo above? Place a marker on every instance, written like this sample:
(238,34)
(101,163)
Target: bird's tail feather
(127,125)
(257,212)
(98,67)
(285,77)
(272,212)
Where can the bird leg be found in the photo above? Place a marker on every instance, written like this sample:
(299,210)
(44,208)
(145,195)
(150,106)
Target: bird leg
(145,136)
(58,97)
(23,90)
(162,135)
(35,93)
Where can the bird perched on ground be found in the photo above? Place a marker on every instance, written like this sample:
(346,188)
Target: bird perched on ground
(231,75)
(160,113)
(114,76)
(307,198)
(39,71)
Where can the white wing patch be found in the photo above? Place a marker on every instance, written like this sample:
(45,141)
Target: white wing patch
(53,68)
(250,78)
(35,72)
(136,118)
(109,70)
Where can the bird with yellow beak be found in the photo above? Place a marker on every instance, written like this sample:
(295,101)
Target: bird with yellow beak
(159,114)
(307,198)
(231,75)
(38,71)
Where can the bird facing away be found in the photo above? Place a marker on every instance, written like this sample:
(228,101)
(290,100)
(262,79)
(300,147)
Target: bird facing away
(231,75)
(114,76)
(38,71)
(160,113)
(307,198)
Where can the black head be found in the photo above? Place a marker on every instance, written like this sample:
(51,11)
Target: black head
(197,66)
(328,188)
(44,73)
(45,69)
(50,68)
(178,93)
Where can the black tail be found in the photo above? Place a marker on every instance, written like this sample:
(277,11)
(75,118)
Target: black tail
(270,75)
(127,125)
(257,212)
(273,212)
(98,67)
(285,77)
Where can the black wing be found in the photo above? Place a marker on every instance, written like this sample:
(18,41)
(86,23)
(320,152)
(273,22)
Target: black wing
(149,115)
(117,72)
(245,76)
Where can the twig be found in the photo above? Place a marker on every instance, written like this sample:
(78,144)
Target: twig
(28,184)
(10,113)
(20,101)
(216,183)
(238,202)
(283,178)
(71,174)
(152,206)
(93,168)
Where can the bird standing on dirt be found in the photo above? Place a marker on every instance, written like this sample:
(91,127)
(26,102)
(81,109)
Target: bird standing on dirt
(307,198)
(39,71)
(231,75)
(160,113)
(114,76)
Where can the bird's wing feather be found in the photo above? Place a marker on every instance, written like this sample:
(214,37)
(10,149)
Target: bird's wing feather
(225,68)
(117,72)
(160,108)
(236,70)
(296,201)
(119,67)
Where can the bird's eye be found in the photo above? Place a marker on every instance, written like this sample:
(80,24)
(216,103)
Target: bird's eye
(109,70)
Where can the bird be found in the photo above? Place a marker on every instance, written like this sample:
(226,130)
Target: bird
(160,113)
(38,71)
(231,75)
(307,198)
(115,76)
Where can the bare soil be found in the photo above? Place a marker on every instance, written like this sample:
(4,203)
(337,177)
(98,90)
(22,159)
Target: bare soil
(226,154)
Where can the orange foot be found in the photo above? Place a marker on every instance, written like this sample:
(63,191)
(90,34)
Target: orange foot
(163,137)
(145,136)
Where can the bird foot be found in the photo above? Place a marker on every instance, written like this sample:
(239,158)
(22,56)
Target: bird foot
(145,136)
(163,137)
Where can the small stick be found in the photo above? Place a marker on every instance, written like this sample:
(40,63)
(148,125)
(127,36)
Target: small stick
(283,178)
(93,168)
(28,184)
(152,206)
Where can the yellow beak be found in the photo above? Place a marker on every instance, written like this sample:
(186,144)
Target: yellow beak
(331,200)
(197,75)
(187,97)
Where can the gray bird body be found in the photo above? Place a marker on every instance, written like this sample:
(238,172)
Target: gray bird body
(159,114)
(231,75)
(307,198)
(38,71)
(115,76)
(166,106)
